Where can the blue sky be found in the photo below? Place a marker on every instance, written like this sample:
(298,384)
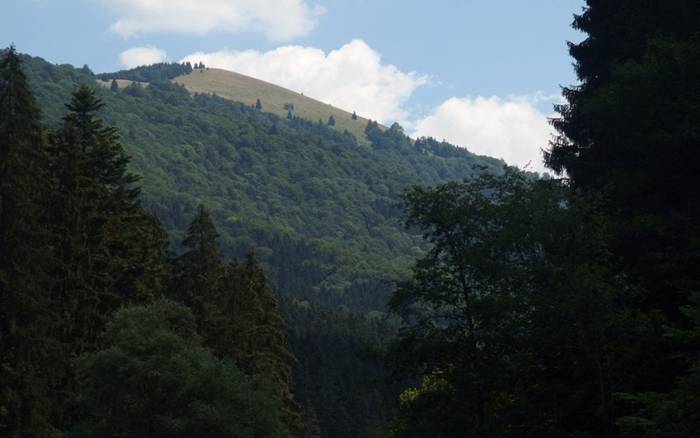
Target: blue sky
(479,73)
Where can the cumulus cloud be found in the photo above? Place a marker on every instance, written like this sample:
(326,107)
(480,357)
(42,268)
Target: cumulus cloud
(509,128)
(278,20)
(137,56)
(352,77)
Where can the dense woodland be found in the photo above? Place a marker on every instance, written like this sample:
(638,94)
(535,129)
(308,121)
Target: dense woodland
(182,265)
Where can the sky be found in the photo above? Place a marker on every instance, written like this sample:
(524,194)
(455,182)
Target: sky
(481,74)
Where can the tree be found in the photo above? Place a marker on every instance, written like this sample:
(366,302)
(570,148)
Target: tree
(25,306)
(626,135)
(514,297)
(626,131)
(354,115)
(258,104)
(251,331)
(199,269)
(154,379)
(331,120)
(102,235)
(373,132)
(114,87)
(289,115)
(671,414)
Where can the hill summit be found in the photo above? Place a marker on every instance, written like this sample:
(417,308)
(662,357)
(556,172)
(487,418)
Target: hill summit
(237,87)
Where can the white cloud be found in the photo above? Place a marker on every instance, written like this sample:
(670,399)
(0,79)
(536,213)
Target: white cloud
(512,128)
(278,20)
(352,77)
(137,56)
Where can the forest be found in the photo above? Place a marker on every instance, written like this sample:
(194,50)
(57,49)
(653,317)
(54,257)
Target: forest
(176,264)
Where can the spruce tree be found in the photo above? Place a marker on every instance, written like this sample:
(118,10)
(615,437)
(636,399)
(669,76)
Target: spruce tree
(253,333)
(627,135)
(199,269)
(331,120)
(258,104)
(25,321)
(114,86)
(103,234)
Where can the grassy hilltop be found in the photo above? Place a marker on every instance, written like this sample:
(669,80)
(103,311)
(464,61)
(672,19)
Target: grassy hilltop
(245,89)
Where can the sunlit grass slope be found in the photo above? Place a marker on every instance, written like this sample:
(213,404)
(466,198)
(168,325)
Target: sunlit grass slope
(241,88)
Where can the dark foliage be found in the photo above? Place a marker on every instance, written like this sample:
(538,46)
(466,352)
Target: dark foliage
(162,71)
(154,379)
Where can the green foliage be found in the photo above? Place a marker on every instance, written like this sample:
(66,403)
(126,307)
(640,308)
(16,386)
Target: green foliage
(251,332)
(199,269)
(24,259)
(237,313)
(628,135)
(154,379)
(673,414)
(513,298)
(162,71)
(331,120)
(100,229)
(340,378)
(629,130)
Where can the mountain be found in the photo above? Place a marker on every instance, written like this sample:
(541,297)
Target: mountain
(320,208)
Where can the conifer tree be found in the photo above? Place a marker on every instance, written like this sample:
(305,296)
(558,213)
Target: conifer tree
(626,131)
(199,269)
(114,87)
(253,333)
(24,321)
(627,134)
(258,104)
(331,120)
(103,234)
(354,115)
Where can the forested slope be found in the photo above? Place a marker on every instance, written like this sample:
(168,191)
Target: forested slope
(320,209)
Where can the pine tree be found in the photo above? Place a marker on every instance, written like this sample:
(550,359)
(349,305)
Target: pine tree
(103,234)
(627,135)
(258,104)
(354,115)
(24,319)
(253,333)
(199,269)
(114,87)
(331,120)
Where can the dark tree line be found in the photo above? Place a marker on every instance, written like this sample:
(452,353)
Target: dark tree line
(92,303)
(161,71)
